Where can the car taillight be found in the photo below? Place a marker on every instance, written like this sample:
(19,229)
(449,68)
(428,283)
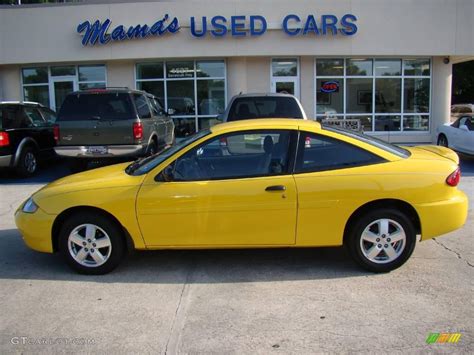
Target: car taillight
(4,139)
(56,133)
(137,130)
(454,177)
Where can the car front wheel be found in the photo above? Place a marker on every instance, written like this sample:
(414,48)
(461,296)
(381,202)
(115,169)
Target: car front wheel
(91,243)
(382,240)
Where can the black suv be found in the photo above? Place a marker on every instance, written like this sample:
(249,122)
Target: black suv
(110,123)
(26,135)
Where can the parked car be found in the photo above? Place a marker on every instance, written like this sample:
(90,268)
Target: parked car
(252,184)
(274,105)
(112,122)
(458,135)
(459,110)
(26,136)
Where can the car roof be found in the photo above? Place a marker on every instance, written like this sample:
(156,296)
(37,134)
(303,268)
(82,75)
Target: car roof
(30,103)
(110,90)
(263,94)
(276,123)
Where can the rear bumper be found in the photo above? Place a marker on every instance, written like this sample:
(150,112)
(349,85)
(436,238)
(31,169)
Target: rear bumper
(5,161)
(81,151)
(442,217)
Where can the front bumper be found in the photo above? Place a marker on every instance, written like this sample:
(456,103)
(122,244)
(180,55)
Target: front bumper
(81,151)
(36,229)
(5,161)
(442,217)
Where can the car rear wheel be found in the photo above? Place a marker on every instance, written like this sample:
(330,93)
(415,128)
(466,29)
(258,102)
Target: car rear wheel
(28,163)
(382,240)
(91,243)
(442,140)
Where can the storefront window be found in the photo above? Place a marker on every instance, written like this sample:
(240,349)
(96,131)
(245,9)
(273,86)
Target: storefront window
(50,85)
(285,67)
(383,93)
(359,96)
(195,91)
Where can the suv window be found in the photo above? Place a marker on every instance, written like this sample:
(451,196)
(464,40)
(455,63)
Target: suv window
(236,155)
(34,116)
(319,153)
(8,117)
(87,106)
(264,107)
(141,103)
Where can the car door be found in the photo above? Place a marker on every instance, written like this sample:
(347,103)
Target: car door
(37,127)
(332,181)
(465,140)
(232,190)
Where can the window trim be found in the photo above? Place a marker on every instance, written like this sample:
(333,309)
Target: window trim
(300,147)
(293,132)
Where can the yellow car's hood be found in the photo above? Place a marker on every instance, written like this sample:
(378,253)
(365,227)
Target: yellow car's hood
(433,152)
(101,178)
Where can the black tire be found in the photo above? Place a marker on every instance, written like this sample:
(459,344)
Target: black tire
(355,245)
(442,140)
(27,163)
(152,148)
(112,256)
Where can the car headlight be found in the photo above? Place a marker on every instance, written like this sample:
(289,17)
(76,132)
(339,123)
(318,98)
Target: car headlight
(30,206)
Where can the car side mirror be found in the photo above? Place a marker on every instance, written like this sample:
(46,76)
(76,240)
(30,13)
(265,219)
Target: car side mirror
(166,174)
(464,128)
(220,118)
(171,111)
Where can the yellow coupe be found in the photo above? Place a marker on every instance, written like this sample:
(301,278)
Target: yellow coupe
(253,184)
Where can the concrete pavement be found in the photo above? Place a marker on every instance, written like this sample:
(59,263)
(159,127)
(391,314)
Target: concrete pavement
(241,301)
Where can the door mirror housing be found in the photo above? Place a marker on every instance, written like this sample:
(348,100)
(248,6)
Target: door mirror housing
(171,111)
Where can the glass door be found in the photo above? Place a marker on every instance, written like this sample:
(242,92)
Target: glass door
(285,86)
(61,87)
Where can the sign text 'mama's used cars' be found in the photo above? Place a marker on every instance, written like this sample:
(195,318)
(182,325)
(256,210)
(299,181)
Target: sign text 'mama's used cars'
(252,184)
(112,122)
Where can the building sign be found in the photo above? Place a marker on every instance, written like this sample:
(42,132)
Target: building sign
(330,86)
(102,32)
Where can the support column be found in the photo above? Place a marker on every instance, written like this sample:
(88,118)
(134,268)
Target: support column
(441,94)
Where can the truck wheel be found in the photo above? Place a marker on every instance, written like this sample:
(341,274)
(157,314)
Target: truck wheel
(28,162)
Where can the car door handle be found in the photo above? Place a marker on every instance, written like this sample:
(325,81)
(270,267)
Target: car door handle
(276,188)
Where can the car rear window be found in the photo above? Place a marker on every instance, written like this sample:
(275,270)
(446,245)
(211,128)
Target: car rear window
(109,106)
(245,108)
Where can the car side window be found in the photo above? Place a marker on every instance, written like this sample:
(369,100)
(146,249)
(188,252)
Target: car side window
(319,153)
(466,121)
(142,106)
(48,115)
(34,117)
(236,155)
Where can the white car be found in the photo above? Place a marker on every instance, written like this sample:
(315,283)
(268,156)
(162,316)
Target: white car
(458,135)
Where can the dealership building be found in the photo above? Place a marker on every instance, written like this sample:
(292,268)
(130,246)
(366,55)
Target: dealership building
(387,63)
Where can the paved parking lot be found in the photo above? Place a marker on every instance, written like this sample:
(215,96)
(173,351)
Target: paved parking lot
(263,301)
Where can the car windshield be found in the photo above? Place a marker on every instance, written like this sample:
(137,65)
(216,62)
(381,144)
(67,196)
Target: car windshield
(145,165)
(244,108)
(378,143)
(89,106)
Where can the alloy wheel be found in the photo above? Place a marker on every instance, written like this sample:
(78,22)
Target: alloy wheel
(383,241)
(89,245)
(30,162)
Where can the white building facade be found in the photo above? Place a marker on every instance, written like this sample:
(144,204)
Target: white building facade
(387,63)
